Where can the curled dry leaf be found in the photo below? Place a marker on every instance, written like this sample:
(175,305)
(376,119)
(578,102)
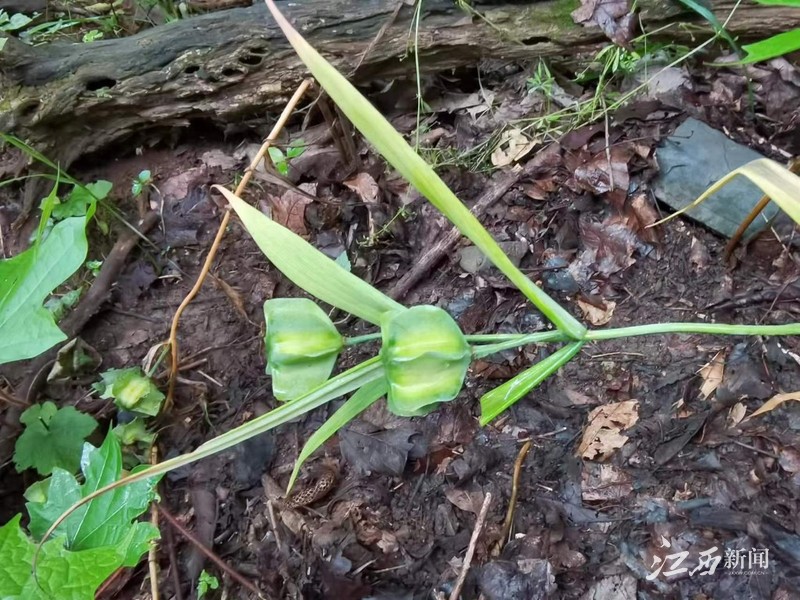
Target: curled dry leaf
(603,431)
(513,146)
(364,185)
(612,16)
(775,402)
(289,209)
(712,373)
(595,315)
(468,501)
(736,414)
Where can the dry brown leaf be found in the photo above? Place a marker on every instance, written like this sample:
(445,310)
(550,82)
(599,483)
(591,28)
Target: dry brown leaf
(364,185)
(736,414)
(712,373)
(612,16)
(601,483)
(775,402)
(289,209)
(603,431)
(513,146)
(790,459)
(466,501)
(597,316)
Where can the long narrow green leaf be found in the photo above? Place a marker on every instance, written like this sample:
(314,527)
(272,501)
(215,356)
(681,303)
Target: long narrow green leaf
(776,181)
(500,398)
(352,379)
(309,268)
(394,148)
(772,47)
(355,405)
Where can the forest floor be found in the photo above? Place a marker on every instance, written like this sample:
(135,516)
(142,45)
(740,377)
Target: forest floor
(670,473)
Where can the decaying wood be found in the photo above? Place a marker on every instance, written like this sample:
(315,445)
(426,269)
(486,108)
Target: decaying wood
(230,66)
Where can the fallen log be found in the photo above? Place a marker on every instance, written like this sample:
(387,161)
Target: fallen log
(225,67)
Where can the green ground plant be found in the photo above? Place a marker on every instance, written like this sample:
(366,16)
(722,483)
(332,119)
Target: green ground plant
(422,361)
(424,356)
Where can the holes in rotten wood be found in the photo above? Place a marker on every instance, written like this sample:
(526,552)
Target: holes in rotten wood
(191,69)
(98,83)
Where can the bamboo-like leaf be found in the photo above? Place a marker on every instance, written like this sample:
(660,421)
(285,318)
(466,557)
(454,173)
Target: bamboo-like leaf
(355,405)
(309,268)
(772,47)
(776,181)
(394,148)
(500,398)
(352,379)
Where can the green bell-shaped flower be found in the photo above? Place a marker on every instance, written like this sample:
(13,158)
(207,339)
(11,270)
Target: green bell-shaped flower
(425,356)
(302,346)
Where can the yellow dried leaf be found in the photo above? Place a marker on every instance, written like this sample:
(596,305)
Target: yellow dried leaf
(775,402)
(712,373)
(603,432)
(597,316)
(736,414)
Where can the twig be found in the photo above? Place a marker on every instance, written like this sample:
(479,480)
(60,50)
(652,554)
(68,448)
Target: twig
(152,553)
(379,36)
(512,502)
(248,174)
(446,243)
(223,566)
(471,549)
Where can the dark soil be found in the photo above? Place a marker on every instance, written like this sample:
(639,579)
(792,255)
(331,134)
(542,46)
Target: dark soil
(691,473)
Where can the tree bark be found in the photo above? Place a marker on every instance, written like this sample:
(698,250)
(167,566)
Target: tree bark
(225,67)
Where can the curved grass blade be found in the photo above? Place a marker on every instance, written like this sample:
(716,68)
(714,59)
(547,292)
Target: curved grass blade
(309,268)
(358,403)
(394,148)
(500,398)
(776,181)
(352,379)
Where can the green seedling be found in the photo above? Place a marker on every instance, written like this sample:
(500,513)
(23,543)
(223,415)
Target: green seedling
(139,185)
(423,358)
(206,582)
(281,160)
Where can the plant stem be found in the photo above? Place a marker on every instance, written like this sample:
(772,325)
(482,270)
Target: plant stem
(703,328)
(360,339)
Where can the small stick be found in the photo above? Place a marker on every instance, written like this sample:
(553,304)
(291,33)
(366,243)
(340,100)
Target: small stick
(152,553)
(223,566)
(512,503)
(212,253)
(471,549)
(447,242)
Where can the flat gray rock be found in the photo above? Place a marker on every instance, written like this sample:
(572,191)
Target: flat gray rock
(697,156)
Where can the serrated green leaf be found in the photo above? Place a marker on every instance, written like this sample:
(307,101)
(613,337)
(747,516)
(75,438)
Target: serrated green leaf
(26,327)
(365,397)
(61,574)
(397,152)
(52,438)
(502,397)
(104,521)
(309,268)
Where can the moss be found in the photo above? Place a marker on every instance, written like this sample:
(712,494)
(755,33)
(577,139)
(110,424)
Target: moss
(545,18)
